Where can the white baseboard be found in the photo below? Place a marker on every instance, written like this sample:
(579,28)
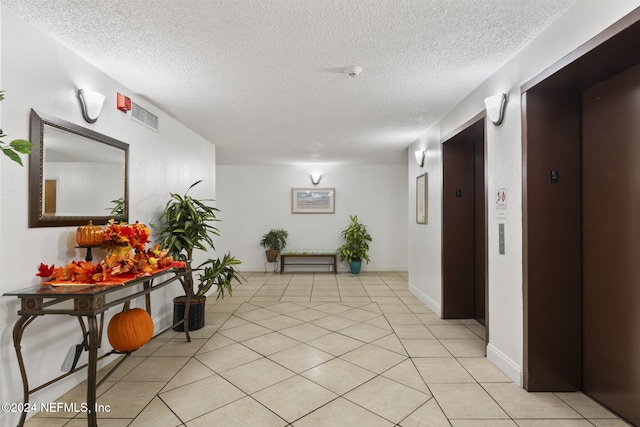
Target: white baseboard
(342,268)
(162,322)
(432,304)
(506,365)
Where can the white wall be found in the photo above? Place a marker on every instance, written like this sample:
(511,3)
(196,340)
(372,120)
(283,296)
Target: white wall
(39,73)
(504,169)
(425,245)
(255,199)
(36,72)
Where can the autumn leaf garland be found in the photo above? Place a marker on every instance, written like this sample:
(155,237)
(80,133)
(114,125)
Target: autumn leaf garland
(139,263)
(119,239)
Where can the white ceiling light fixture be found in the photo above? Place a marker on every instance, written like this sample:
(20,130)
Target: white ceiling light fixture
(91,103)
(353,70)
(495,106)
(420,155)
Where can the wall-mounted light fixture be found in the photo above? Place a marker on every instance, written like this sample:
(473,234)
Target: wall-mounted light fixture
(91,103)
(495,106)
(315,178)
(420,154)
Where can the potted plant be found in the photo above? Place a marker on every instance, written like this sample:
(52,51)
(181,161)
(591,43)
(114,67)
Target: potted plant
(14,147)
(356,246)
(274,241)
(186,224)
(118,207)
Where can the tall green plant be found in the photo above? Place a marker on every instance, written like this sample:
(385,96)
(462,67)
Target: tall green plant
(16,146)
(186,224)
(357,240)
(220,273)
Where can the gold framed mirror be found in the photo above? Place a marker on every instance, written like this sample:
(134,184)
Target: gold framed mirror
(75,175)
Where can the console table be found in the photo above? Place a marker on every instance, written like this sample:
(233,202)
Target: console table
(328,255)
(89,302)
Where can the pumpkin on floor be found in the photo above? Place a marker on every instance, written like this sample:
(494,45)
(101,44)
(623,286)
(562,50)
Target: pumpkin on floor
(130,329)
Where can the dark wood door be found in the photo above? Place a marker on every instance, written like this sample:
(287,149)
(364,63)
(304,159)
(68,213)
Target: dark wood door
(611,242)
(464,226)
(50,196)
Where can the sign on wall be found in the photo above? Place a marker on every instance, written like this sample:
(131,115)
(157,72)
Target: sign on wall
(501,203)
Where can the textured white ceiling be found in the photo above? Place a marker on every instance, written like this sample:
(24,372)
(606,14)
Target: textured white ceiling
(265,76)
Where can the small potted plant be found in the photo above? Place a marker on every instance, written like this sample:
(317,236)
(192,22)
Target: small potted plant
(185,225)
(274,241)
(356,246)
(118,207)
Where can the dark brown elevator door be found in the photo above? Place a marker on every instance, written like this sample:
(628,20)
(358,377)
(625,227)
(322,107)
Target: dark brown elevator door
(464,226)
(611,242)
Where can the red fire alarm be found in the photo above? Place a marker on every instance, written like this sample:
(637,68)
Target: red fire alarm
(123,103)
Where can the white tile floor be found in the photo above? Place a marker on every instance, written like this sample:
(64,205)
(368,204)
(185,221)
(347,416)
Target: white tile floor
(307,349)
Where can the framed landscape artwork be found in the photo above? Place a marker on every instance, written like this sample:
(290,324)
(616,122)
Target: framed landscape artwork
(421,199)
(313,200)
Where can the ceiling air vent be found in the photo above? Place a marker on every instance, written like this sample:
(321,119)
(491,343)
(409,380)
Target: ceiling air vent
(144,117)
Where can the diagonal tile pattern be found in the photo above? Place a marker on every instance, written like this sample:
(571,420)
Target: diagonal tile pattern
(305,349)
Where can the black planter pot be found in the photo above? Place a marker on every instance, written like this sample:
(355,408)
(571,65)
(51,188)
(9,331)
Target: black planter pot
(196,312)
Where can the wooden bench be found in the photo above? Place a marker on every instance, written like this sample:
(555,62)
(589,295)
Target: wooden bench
(291,254)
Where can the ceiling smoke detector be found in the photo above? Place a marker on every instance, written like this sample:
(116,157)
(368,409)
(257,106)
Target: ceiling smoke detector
(353,71)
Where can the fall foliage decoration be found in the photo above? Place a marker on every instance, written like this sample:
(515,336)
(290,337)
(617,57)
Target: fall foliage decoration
(130,329)
(45,271)
(118,263)
(121,238)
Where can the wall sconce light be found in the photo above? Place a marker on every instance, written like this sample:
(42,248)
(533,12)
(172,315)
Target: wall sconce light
(91,103)
(315,178)
(495,106)
(420,154)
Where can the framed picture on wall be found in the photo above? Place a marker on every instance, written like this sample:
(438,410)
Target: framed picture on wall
(313,200)
(421,199)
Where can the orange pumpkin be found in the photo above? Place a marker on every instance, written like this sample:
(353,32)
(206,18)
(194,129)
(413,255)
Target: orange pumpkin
(89,235)
(130,329)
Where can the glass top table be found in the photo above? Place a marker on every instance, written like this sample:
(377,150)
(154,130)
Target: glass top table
(89,302)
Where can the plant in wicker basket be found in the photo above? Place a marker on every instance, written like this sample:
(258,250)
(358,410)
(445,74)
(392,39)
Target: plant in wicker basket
(274,241)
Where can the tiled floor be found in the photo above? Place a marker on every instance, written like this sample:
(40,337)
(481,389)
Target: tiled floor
(310,349)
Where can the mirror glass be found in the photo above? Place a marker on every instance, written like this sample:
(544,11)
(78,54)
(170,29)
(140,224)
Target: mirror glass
(76,175)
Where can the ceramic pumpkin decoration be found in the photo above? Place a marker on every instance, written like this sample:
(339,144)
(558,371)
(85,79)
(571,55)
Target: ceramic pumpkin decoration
(130,329)
(89,235)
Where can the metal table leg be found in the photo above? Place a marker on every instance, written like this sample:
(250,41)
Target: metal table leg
(94,343)
(18,330)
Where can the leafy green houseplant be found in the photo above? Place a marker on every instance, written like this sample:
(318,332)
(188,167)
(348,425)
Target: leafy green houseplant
(118,207)
(186,224)
(274,241)
(356,246)
(14,147)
